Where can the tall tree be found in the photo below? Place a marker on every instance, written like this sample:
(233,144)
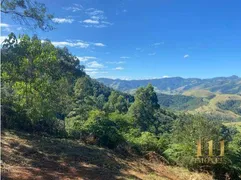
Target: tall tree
(142,110)
(30,74)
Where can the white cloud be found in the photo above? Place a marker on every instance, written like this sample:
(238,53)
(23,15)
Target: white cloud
(4,25)
(86,58)
(2,38)
(78,44)
(119,68)
(115,62)
(94,73)
(90,21)
(124,57)
(99,44)
(138,49)
(186,56)
(96,18)
(94,12)
(94,64)
(106,22)
(90,69)
(63,20)
(71,44)
(152,54)
(74,8)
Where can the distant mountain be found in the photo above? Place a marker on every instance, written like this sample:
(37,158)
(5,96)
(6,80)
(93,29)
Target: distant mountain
(178,85)
(218,97)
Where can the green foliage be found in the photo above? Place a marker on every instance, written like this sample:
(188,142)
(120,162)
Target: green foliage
(142,110)
(147,142)
(116,102)
(187,130)
(231,105)
(34,86)
(28,12)
(234,153)
(104,130)
(45,89)
(180,102)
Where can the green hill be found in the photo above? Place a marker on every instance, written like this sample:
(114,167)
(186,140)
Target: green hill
(180,102)
(215,107)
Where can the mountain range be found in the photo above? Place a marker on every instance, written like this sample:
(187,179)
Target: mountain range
(219,97)
(178,85)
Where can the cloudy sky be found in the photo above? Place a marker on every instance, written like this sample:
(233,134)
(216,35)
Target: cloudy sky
(134,39)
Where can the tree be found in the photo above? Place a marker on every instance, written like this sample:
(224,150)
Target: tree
(142,110)
(116,102)
(32,83)
(28,12)
(104,130)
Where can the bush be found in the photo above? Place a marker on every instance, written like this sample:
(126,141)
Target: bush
(11,118)
(103,129)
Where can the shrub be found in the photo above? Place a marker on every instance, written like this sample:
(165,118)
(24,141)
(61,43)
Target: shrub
(103,129)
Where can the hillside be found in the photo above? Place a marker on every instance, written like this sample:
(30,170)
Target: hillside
(178,85)
(210,96)
(50,94)
(180,102)
(236,125)
(26,156)
(213,107)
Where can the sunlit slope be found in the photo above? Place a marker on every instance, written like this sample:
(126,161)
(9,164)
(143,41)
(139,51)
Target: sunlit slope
(199,93)
(212,106)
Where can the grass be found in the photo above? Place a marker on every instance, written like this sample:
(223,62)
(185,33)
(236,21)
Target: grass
(199,93)
(27,156)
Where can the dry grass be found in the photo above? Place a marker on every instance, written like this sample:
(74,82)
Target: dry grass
(25,156)
(199,93)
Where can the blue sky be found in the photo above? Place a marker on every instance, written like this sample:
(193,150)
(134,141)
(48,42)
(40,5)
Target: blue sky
(133,39)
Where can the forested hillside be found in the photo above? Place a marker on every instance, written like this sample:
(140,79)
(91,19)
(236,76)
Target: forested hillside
(46,91)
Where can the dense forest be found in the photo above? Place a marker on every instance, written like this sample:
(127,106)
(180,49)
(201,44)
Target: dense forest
(46,91)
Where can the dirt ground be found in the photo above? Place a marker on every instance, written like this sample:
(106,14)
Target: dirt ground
(25,156)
